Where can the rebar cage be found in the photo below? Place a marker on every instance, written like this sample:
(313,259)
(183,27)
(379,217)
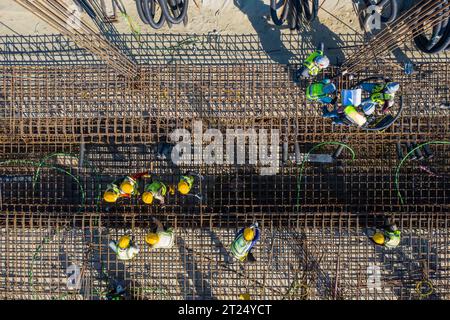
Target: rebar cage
(70,125)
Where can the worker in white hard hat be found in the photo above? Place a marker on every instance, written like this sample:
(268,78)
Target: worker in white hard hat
(162,238)
(315,62)
(380,94)
(244,242)
(125,249)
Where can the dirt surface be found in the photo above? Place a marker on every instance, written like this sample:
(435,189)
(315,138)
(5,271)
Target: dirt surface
(224,16)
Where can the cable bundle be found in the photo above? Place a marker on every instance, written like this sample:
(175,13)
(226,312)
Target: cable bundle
(440,38)
(172,11)
(294,11)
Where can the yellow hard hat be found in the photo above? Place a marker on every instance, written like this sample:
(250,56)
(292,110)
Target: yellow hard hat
(152,238)
(378,238)
(126,187)
(249,234)
(244,296)
(183,187)
(147,197)
(110,196)
(124,242)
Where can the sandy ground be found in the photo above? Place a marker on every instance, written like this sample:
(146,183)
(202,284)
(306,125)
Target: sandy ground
(224,16)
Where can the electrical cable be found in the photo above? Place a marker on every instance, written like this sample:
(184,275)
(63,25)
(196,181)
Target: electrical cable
(397,171)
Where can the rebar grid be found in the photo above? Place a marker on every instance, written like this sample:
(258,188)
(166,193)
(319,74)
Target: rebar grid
(207,49)
(310,263)
(58,104)
(81,128)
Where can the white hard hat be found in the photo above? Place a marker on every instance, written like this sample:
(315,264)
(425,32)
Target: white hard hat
(322,61)
(368,109)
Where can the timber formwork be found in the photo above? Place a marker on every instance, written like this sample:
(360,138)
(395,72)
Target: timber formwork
(70,125)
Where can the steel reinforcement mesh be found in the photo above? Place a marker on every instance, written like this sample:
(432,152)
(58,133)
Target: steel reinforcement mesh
(66,132)
(333,262)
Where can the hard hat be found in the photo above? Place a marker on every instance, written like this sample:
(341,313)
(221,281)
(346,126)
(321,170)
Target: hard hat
(368,108)
(378,238)
(244,296)
(126,187)
(152,238)
(124,242)
(392,87)
(329,88)
(183,187)
(147,197)
(322,61)
(249,234)
(110,196)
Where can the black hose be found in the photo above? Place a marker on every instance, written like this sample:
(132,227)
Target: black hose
(310,14)
(394,9)
(172,12)
(439,41)
(274,7)
(293,11)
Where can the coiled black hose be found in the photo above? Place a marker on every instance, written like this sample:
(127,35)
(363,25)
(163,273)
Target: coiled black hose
(394,9)
(440,39)
(172,12)
(293,11)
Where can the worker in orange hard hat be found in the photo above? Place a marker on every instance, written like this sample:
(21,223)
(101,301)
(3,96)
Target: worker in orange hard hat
(243,243)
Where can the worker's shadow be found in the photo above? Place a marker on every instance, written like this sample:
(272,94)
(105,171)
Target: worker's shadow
(196,284)
(269,35)
(404,261)
(314,33)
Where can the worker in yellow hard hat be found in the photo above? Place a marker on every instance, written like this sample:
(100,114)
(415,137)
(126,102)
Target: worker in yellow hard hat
(185,184)
(155,190)
(389,236)
(125,188)
(125,249)
(162,238)
(129,186)
(243,243)
(113,193)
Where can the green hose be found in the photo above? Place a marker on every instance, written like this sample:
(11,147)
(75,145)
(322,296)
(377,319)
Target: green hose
(397,172)
(38,164)
(299,179)
(37,173)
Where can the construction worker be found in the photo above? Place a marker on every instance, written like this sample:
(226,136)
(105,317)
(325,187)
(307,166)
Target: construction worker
(389,236)
(243,243)
(162,238)
(380,94)
(155,190)
(185,184)
(125,249)
(316,62)
(321,91)
(349,114)
(128,187)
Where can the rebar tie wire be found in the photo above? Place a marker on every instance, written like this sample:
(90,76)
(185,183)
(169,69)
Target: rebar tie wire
(299,179)
(397,171)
